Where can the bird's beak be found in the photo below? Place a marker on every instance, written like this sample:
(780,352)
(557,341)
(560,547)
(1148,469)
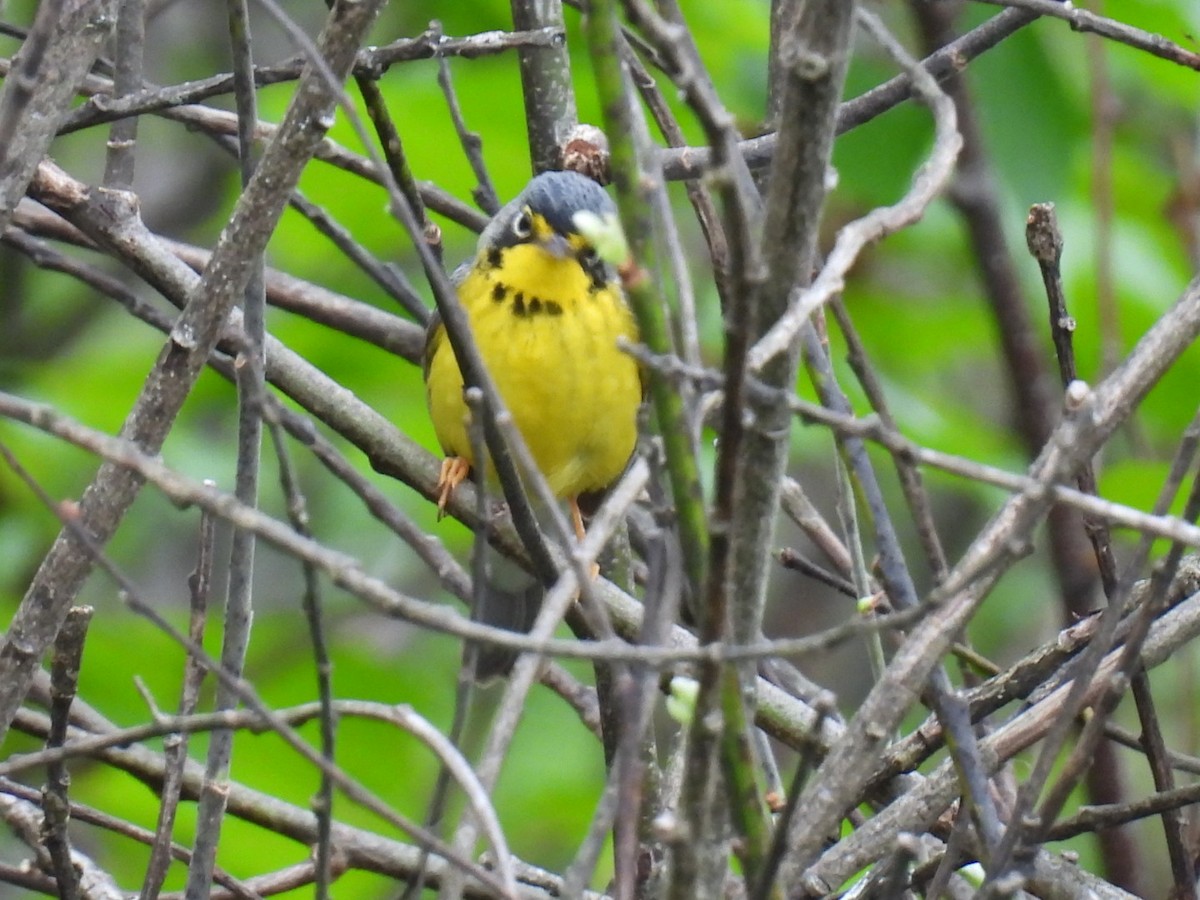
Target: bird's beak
(556,245)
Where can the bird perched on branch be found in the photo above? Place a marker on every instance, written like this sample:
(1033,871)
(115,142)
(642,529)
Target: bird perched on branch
(546,311)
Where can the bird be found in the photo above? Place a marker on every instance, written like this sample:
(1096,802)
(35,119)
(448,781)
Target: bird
(547,313)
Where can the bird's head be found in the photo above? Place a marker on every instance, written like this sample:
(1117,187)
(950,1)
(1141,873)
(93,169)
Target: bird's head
(566,215)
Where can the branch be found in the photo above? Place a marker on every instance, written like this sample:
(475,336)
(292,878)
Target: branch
(370,62)
(62,45)
(692,162)
(1081,19)
(841,776)
(113,490)
(919,808)
(928,183)
(545,82)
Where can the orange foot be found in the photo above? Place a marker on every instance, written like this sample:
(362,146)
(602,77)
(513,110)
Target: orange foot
(577,521)
(454,471)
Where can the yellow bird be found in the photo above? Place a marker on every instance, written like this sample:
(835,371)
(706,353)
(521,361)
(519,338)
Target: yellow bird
(546,311)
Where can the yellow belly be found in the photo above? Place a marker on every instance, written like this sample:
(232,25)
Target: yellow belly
(548,336)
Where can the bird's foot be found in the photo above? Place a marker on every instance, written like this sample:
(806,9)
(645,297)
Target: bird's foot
(580,533)
(454,471)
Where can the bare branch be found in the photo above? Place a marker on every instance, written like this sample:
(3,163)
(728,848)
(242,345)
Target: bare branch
(196,332)
(62,45)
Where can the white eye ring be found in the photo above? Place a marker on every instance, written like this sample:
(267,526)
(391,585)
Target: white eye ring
(523,226)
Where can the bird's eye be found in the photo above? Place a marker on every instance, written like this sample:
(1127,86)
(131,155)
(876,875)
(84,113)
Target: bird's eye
(523,226)
(591,263)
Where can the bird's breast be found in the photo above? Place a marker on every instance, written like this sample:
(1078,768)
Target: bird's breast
(548,334)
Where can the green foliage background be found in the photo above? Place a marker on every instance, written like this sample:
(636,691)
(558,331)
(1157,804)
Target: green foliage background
(916,299)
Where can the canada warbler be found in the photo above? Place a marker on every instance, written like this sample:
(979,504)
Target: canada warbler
(546,310)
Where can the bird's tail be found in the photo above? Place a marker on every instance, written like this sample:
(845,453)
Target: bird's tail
(508,598)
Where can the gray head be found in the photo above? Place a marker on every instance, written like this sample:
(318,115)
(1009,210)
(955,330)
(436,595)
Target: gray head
(545,213)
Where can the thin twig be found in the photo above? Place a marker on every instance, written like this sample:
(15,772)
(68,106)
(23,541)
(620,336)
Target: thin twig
(692,162)
(104,504)
(345,314)
(248,369)
(928,183)
(64,681)
(127,78)
(1077,437)
(1032,828)
(352,788)
(824,706)
(911,480)
(472,144)
(25,820)
(322,802)
(1045,243)
(920,806)
(681,460)
(1083,19)
(363,849)
(175,748)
